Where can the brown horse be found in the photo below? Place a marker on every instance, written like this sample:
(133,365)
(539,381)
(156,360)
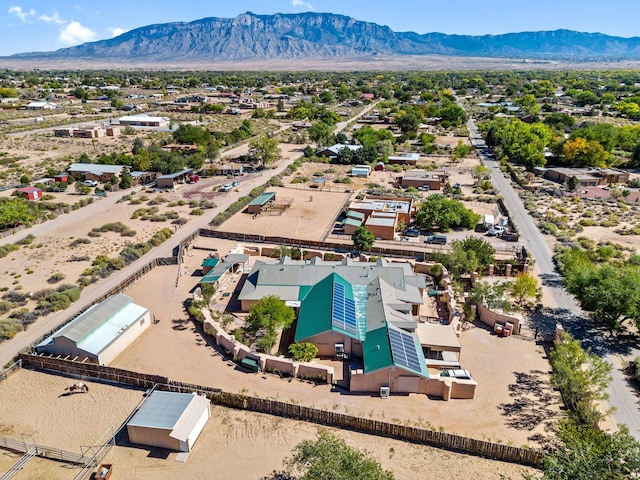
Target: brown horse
(78,387)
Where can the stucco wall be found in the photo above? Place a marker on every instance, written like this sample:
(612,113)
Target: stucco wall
(490,318)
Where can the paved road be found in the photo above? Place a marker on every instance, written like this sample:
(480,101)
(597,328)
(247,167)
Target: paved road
(565,311)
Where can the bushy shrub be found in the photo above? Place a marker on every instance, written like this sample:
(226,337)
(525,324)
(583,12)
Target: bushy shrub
(10,328)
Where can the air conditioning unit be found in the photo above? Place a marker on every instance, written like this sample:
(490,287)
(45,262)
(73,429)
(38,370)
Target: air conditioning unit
(339,347)
(384,392)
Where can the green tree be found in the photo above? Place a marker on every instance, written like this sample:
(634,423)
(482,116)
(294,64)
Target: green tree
(264,149)
(524,287)
(363,239)
(268,316)
(529,104)
(321,134)
(187,134)
(581,377)
(445,214)
(587,453)
(461,150)
(125,178)
(328,457)
(408,121)
(572,183)
(303,351)
(13,212)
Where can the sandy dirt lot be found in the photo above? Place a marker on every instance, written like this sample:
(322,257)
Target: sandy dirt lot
(309,216)
(260,443)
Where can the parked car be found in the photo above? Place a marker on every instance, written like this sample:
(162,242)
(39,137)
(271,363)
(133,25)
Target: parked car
(509,236)
(457,373)
(496,231)
(235,184)
(424,188)
(225,188)
(411,232)
(90,183)
(437,239)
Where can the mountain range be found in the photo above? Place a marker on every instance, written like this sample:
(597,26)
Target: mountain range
(324,35)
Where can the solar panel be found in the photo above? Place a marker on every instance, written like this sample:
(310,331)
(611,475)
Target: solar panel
(343,310)
(403,350)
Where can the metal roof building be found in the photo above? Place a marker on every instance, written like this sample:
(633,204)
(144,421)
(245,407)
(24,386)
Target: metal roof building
(170,420)
(101,333)
(352,304)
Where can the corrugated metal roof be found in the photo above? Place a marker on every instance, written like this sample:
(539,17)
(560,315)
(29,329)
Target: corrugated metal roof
(108,332)
(94,168)
(263,198)
(162,410)
(189,418)
(186,171)
(86,323)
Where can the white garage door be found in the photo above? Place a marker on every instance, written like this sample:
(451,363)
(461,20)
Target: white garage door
(408,384)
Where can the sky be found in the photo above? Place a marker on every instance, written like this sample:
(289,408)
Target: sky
(45,25)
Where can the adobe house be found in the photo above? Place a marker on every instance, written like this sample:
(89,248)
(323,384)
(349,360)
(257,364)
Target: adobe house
(363,310)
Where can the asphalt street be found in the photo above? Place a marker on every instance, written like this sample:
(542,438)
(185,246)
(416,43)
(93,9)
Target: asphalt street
(562,307)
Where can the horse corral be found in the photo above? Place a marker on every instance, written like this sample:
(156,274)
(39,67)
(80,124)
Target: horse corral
(293,212)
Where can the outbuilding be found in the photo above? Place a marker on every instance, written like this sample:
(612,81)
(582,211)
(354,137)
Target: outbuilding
(101,333)
(169,180)
(170,420)
(31,193)
(260,202)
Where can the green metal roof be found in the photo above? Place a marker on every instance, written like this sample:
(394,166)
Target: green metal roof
(376,351)
(210,262)
(263,198)
(356,215)
(315,312)
(352,221)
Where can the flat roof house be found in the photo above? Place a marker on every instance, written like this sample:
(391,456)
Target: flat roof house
(101,333)
(406,159)
(94,171)
(402,207)
(333,150)
(170,420)
(144,120)
(420,178)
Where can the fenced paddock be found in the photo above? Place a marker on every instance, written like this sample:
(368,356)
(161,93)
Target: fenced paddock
(396,431)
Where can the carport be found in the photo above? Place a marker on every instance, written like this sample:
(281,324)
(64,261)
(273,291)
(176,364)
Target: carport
(440,345)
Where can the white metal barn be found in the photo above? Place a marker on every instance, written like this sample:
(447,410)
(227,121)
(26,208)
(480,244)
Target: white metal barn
(170,420)
(101,333)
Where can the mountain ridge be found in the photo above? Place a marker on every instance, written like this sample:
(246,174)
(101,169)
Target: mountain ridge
(325,35)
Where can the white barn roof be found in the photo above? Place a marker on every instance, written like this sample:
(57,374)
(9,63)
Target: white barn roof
(101,325)
(95,168)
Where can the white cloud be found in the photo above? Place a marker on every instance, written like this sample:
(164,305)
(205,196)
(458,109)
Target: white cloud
(55,18)
(301,4)
(21,14)
(75,33)
(117,31)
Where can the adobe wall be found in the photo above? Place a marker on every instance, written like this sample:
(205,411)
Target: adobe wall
(490,318)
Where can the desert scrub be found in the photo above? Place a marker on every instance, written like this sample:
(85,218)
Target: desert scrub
(159,200)
(144,213)
(196,211)
(7,249)
(117,227)
(79,241)
(28,240)
(10,328)
(56,277)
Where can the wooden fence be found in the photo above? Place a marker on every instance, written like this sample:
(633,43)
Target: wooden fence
(422,436)
(340,247)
